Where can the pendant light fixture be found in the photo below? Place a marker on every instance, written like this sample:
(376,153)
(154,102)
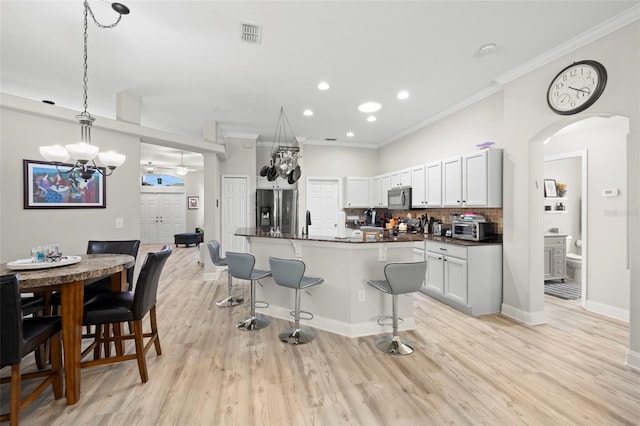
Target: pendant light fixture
(83,152)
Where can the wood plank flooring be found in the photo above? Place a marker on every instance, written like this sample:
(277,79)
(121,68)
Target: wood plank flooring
(466,371)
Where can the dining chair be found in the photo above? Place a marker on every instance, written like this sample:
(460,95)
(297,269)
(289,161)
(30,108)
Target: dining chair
(128,306)
(20,336)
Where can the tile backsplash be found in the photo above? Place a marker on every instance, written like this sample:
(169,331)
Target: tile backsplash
(446,215)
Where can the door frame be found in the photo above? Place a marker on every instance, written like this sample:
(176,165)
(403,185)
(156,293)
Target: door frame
(584,214)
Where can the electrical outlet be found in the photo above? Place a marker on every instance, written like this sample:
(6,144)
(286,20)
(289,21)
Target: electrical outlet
(119,223)
(361,296)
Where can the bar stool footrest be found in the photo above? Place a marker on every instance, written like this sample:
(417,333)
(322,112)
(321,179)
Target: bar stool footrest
(382,319)
(260,304)
(304,315)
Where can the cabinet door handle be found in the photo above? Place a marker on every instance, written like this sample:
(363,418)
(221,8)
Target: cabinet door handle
(443,249)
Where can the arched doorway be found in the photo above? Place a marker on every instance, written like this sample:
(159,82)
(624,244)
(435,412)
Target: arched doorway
(604,138)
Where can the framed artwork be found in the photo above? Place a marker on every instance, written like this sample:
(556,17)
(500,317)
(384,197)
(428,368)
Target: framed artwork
(192,203)
(49,187)
(550,189)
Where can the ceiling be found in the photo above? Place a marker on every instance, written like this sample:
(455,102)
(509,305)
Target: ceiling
(187,62)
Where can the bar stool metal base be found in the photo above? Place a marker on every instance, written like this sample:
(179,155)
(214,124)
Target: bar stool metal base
(297,336)
(227,302)
(394,345)
(253,323)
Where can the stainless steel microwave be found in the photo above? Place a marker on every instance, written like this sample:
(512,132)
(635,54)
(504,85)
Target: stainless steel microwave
(399,198)
(472,230)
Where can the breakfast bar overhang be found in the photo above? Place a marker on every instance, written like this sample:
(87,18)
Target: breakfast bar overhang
(344,304)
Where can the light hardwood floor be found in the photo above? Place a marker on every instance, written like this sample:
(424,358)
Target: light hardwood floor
(466,371)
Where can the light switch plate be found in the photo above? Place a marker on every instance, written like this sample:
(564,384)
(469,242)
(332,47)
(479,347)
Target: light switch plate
(119,223)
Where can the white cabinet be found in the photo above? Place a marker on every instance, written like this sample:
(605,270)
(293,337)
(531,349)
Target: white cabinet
(452,182)
(400,178)
(468,278)
(278,183)
(433,184)
(375,191)
(555,259)
(418,183)
(356,192)
(473,180)
(385,186)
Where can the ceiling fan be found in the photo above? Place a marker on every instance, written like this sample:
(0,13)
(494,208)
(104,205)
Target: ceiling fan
(181,169)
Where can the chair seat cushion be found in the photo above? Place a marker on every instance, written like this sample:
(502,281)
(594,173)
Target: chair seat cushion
(256,274)
(310,281)
(109,308)
(37,330)
(382,285)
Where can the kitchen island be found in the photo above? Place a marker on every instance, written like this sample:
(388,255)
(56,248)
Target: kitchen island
(344,304)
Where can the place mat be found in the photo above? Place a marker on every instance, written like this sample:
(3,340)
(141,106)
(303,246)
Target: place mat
(567,291)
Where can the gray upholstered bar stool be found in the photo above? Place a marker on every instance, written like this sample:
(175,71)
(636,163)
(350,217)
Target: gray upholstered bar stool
(241,266)
(214,253)
(401,278)
(290,273)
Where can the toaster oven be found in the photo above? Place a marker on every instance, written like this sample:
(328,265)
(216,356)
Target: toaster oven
(472,230)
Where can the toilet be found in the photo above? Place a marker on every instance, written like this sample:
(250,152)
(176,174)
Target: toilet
(574,261)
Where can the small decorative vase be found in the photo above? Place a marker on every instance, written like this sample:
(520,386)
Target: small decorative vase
(562,193)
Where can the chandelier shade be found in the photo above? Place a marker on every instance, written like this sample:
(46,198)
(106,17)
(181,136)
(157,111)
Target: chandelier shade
(83,152)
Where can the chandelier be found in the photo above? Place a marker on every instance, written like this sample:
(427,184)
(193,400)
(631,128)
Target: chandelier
(83,152)
(285,153)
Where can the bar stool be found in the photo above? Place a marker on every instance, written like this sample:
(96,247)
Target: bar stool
(241,267)
(214,253)
(401,278)
(290,273)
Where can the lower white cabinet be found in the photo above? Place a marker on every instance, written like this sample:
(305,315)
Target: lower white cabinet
(468,278)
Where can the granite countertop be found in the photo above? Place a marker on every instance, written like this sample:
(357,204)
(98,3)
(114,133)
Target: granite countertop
(400,238)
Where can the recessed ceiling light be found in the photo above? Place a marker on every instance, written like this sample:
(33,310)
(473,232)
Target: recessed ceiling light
(369,107)
(323,85)
(308,112)
(403,94)
(371,118)
(485,49)
(350,134)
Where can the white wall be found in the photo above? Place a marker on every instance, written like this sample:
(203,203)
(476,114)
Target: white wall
(20,136)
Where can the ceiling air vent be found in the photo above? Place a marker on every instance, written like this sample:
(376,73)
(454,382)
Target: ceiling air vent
(330,139)
(251,33)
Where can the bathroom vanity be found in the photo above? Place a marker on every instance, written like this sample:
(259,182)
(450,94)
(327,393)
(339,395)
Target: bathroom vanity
(555,261)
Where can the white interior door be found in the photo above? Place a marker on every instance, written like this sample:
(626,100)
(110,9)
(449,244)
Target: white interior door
(323,203)
(235,212)
(162,215)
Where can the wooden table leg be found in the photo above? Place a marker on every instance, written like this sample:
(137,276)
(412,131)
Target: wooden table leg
(71,307)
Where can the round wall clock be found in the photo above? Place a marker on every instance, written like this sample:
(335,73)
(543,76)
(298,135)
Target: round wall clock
(577,87)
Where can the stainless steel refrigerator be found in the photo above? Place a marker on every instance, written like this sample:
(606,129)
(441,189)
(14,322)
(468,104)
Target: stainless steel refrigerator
(277,210)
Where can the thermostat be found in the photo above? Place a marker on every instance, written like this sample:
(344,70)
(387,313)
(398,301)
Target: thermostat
(611,192)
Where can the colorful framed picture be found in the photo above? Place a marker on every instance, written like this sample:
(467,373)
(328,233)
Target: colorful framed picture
(49,187)
(192,203)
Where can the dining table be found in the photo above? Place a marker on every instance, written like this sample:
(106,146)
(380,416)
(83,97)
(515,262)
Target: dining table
(69,277)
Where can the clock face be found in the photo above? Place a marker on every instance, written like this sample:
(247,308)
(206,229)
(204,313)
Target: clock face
(576,87)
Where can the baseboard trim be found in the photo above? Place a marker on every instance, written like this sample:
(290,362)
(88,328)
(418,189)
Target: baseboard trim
(608,310)
(633,359)
(530,318)
(362,329)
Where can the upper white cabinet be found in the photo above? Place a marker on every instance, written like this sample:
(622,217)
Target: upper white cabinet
(375,191)
(279,183)
(418,184)
(400,178)
(473,180)
(385,186)
(433,184)
(452,182)
(356,192)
